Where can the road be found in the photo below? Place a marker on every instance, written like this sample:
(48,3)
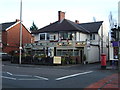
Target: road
(71,76)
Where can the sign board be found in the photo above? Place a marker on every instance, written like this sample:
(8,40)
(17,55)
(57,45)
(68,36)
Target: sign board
(115,43)
(57,60)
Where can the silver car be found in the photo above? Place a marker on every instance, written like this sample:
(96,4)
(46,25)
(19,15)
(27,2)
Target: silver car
(5,56)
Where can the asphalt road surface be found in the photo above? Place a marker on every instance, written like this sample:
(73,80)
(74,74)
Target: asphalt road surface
(72,76)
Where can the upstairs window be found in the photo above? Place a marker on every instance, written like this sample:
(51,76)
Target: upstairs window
(92,36)
(66,35)
(42,36)
(48,36)
(52,37)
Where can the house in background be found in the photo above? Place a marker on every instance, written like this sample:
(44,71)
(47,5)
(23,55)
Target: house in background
(11,36)
(65,37)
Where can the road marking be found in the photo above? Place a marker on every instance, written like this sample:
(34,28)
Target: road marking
(22,75)
(41,77)
(8,77)
(28,79)
(9,73)
(73,75)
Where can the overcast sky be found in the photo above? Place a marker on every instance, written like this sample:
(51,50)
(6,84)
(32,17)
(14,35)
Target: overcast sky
(44,12)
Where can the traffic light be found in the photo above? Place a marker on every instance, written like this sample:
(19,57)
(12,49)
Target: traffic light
(113,33)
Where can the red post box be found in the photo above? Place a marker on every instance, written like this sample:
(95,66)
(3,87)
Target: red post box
(103,61)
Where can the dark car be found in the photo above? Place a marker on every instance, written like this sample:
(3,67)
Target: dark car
(5,56)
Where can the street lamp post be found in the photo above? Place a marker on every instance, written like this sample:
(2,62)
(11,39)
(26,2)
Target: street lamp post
(20,32)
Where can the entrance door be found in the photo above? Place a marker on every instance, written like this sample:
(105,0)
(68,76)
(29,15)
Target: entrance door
(81,55)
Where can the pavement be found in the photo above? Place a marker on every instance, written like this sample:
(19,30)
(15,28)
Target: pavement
(108,83)
(83,66)
(111,82)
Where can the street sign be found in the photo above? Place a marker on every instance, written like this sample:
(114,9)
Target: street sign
(116,43)
(57,60)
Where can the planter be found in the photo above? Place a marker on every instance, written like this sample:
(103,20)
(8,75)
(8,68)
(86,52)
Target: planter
(24,60)
(43,61)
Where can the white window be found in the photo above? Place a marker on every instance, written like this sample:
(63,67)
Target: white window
(44,36)
(66,35)
(52,37)
(92,36)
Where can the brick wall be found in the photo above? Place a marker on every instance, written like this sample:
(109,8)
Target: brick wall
(12,38)
(61,15)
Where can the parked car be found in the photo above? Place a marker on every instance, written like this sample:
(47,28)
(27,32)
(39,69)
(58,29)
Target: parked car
(5,56)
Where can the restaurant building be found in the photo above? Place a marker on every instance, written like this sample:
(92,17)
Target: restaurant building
(65,37)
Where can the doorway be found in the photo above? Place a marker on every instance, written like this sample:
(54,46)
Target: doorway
(81,53)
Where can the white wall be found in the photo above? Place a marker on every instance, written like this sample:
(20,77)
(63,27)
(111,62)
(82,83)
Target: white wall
(77,36)
(92,54)
(105,39)
(37,37)
(111,53)
(83,37)
(96,41)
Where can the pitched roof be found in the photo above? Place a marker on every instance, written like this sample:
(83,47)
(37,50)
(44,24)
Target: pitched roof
(67,25)
(92,27)
(7,25)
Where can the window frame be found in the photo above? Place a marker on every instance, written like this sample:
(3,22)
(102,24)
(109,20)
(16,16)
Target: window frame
(92,36)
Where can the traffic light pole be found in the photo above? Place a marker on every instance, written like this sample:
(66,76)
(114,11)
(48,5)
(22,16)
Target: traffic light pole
(115,34)
(118,48)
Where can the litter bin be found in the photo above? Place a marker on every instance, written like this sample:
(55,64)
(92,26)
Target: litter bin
(103,61)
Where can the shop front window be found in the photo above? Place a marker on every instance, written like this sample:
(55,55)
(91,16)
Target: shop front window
(67,52)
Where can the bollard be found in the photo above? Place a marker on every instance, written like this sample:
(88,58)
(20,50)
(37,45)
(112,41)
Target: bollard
(103,61)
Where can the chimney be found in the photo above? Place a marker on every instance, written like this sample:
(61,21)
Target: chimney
(17,20)
(77,22)
(61,15)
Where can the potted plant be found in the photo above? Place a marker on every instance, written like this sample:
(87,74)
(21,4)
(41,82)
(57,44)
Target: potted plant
(63,60)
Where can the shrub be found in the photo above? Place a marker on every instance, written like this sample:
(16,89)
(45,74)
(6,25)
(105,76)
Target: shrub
(73,61)
(63,60)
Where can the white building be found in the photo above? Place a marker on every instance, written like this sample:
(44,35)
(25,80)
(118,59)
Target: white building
(119,13)
(72,38)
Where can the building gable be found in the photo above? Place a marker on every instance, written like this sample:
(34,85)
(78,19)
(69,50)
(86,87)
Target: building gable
(92,27)
(7,25)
